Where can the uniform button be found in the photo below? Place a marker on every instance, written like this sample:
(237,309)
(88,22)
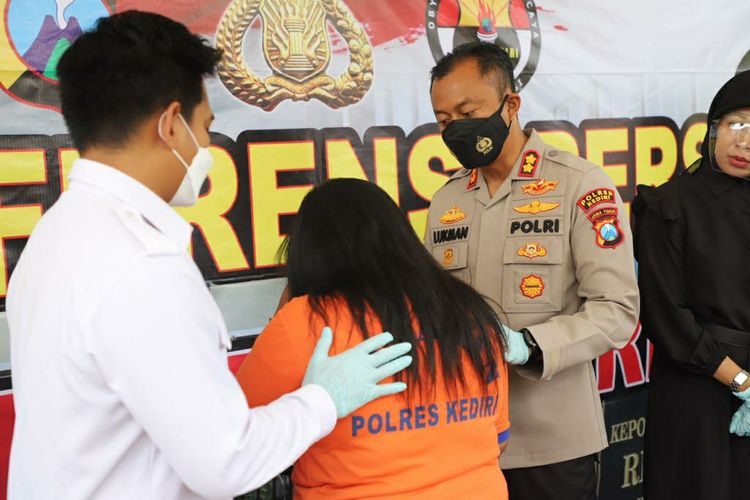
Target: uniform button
(553,153)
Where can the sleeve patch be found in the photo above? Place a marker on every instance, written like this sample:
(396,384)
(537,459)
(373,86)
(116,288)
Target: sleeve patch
(595,197)
(607,227)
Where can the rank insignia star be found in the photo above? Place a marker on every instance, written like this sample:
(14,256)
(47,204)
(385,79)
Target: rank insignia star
(529,165)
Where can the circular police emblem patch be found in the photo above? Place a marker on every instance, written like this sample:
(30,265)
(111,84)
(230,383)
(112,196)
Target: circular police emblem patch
(512,26)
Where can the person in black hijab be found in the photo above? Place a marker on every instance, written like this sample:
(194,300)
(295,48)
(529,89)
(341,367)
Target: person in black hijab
(692,242)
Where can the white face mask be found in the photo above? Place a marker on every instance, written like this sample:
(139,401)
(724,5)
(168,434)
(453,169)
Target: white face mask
(196,172)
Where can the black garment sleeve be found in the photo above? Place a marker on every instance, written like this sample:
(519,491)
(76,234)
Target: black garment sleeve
(665,314)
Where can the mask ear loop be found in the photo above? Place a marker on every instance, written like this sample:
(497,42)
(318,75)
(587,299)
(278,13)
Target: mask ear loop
(174,151)
(502,105)
(190,131)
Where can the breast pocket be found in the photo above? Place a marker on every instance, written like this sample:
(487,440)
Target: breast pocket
(532,271)
(453,257)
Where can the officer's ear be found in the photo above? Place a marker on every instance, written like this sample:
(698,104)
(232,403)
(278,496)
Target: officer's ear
(513,105)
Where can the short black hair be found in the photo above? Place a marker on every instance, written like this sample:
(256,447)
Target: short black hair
(130,65)
(494,62)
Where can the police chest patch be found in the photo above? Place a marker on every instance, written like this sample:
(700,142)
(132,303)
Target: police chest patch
(448,257)
(539,187)
(450,234)
(595,197)
(532,250)
(606,226)
(532,286)
(535,226)
(536,207)
(453,215)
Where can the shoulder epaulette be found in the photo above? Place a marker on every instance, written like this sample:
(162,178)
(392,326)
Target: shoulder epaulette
(154,242)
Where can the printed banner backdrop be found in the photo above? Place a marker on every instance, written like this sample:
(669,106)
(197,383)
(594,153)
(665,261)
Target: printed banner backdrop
(314,89)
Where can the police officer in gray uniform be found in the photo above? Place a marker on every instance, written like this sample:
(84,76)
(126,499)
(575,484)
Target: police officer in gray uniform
(542,234)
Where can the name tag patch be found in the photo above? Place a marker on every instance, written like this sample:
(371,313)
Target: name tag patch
(535,226)
(450,234)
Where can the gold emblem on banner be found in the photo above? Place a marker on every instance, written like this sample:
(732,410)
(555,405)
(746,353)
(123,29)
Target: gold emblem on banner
(297,47)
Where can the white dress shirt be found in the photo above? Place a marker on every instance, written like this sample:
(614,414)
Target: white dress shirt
(118,355)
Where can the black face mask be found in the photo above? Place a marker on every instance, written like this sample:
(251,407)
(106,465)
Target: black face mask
(477,142)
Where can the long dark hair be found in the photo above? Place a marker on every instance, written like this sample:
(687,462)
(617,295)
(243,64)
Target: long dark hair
(350,241)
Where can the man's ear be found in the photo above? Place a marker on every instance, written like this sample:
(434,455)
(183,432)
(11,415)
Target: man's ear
(513,105)
(167,124)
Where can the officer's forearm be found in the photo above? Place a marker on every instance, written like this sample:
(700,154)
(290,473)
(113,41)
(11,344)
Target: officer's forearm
(568,340)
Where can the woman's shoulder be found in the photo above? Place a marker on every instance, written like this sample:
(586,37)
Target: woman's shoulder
(667,200)
(664,203)
(303,305)
(295,305)
(301,314)
(293,313)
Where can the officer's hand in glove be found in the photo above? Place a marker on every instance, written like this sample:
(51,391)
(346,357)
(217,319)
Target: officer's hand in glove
(351,378)
(740,423)
(516,350)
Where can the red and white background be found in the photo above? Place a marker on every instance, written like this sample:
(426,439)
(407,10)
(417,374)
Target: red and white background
(316,89)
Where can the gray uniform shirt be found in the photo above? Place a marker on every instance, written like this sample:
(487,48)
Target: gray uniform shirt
(552,252)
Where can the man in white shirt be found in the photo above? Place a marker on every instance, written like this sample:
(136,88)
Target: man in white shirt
(118,351)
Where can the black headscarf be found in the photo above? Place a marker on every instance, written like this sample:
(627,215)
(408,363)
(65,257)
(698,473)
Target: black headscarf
(733,95)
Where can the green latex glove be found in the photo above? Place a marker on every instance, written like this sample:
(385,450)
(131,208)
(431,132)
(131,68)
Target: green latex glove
(351,378)
(516,350)
(740,423)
